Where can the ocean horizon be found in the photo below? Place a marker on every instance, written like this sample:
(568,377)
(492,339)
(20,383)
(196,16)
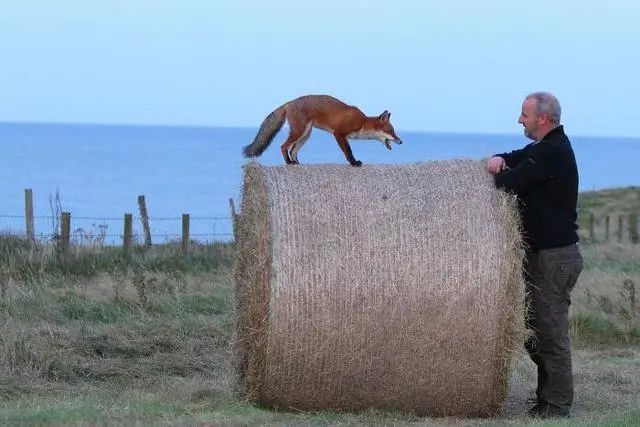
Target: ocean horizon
(99,170)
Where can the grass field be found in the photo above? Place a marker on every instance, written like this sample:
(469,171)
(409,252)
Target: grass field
(145,341)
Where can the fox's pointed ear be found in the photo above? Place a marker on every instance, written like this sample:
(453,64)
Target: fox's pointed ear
(385,116)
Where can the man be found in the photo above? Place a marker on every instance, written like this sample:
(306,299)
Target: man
(544,176)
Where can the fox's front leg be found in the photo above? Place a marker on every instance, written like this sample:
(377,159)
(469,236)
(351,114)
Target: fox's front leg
(343,142)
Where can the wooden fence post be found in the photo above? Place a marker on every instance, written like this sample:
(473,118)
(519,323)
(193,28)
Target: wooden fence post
(606,228)
(145,221)
(126,238)
(185,233)
(633,229)
(620,229)
(592,234)
(65,238)
(28,215)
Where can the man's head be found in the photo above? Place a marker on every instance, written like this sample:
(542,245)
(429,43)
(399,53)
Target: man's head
(540,113)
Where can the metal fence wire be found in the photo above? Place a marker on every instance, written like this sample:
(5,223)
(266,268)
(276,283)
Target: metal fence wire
(110,230)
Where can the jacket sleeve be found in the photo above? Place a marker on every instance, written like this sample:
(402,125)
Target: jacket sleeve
(513,158)
(534,167)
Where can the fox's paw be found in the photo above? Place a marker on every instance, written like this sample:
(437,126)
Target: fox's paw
(357,163)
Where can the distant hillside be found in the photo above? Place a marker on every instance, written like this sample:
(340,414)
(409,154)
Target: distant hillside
(613,202)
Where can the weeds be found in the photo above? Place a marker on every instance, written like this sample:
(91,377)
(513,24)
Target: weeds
(608,320)
(629,308)
(94,238)
(55,205)
(21,263)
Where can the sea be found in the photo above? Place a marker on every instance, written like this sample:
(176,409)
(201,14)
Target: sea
(96,172)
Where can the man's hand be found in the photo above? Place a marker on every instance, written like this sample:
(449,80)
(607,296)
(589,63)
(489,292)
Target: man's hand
(496,164)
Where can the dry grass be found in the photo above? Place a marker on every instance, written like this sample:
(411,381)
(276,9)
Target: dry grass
(76,355)
(605,380)
(605,307)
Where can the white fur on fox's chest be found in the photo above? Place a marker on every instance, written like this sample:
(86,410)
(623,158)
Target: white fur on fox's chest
(368,134)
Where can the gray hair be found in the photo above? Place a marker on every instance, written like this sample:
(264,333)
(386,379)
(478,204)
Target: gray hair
(548,104)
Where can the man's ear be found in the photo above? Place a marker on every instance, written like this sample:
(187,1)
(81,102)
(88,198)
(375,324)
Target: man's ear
(544,117)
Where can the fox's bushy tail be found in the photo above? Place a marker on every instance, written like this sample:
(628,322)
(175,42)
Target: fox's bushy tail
(268,130)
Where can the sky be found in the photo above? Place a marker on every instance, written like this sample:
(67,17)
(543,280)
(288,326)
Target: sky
(436,65)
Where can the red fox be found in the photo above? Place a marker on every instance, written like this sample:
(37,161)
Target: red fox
(326,113)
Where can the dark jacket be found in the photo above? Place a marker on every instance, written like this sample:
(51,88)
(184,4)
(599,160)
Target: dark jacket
(544,175)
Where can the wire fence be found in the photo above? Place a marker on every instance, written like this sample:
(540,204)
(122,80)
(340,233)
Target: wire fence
(109,230)
(60,226)
(130,229)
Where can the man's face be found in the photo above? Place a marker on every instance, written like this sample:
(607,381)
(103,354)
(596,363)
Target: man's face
(529,119)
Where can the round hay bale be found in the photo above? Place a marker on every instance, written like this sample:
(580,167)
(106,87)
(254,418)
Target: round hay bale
(387,286)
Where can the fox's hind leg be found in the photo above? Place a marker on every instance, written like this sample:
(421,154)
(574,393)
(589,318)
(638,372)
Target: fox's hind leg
(300,142)
(296,132)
